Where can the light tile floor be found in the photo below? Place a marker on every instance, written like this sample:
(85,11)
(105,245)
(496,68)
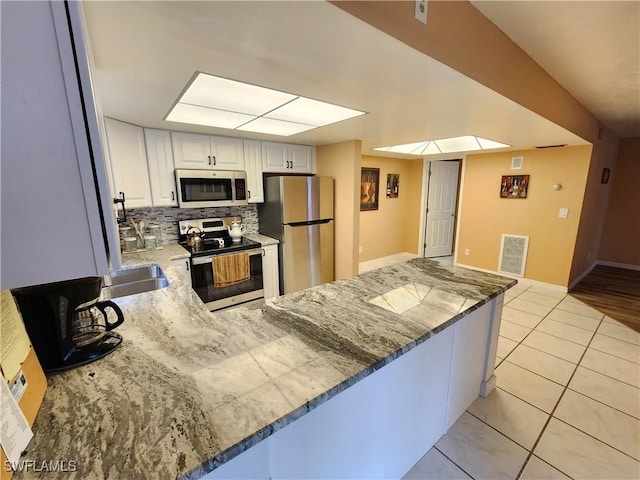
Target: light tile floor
(567,401)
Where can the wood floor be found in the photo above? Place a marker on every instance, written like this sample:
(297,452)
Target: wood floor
(613,291)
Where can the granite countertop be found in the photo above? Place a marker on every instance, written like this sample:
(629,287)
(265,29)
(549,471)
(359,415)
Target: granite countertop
(189,389)
(263,239)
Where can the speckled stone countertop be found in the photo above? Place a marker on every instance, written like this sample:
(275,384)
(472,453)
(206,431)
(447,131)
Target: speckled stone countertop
(263,239)
(189,389)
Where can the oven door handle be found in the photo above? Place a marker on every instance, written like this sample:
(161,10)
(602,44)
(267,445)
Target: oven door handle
(207,258)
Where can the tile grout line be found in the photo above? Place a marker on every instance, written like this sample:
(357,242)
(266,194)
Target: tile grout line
(544,428)
(598,439)
(445,456)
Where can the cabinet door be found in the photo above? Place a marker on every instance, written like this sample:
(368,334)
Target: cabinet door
(160,162)
(274,157)
(191,150)
(270,274)
(183,269)
(301,158)
(227,153)
(128,162)
(253,166)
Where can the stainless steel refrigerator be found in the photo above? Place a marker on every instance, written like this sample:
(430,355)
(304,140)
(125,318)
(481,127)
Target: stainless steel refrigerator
(298,211)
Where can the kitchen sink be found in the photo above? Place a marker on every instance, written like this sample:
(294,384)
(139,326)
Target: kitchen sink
(132,281)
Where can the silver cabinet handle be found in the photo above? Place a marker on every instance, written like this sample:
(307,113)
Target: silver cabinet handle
(187,264)
(264,253)
(248,193)
(173,196)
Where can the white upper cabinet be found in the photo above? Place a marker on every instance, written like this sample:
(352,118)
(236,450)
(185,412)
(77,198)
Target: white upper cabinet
(227,152)
(160,162)
(301,158)
(196,151)
(287,158)
(253,165)
(128,159)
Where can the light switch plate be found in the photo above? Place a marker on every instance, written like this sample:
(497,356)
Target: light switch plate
(564,213)
(421,10)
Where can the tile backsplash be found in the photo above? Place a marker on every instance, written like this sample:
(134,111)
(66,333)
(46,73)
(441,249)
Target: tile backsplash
(168,217)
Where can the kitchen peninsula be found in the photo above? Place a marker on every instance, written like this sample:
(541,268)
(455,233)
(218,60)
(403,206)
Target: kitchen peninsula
(356,378)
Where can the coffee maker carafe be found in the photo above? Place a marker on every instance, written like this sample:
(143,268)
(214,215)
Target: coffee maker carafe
(67,324)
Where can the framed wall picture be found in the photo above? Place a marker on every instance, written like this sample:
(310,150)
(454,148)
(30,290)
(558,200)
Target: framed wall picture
(514,186)
(393,185)
(369,188)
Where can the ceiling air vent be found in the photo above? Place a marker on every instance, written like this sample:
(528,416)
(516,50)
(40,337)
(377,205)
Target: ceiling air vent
(553,146)
(513,254)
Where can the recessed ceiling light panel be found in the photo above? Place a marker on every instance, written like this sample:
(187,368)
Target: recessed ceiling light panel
(215,92)
(467,143)
(312,112)
(207,116)
(223,103)
(275,127)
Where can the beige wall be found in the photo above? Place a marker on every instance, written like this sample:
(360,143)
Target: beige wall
(496,62)
(621,234)
(393,228)
(493,59)
(342,162)
(485,216)
(594,207)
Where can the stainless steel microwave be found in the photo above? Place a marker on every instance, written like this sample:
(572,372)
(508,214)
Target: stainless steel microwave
(211,188)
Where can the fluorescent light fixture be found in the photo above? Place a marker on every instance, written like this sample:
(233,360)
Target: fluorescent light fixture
(207,116)
(467,143)
(220,102)
(312,112)
(223,94)
(275,127)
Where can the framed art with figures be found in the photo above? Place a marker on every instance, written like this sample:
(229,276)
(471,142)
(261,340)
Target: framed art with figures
(514,186)
(369,188)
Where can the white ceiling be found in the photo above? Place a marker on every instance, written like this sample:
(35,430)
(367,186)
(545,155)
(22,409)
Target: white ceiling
(146,52)
(592,48)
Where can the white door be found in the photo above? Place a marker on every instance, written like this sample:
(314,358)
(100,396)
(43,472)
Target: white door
(441,208)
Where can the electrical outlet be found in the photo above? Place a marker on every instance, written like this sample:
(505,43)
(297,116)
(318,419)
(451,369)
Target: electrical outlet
(467,251)
(564,213)
(421,10)
(360,249)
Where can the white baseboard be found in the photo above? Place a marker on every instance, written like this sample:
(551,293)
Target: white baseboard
(628,266)
(582,275)
(521,280)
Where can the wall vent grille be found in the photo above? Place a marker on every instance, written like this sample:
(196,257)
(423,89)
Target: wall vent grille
(513,254)
(516,163)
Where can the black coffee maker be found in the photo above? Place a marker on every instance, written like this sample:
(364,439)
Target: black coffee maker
(67,324)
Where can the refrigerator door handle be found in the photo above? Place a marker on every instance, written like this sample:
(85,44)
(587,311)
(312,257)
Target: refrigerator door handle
(310,222)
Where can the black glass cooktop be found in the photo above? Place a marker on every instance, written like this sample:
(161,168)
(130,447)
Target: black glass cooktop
(215,246)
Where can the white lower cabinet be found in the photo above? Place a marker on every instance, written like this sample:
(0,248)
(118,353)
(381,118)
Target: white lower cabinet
(183,268)
(270,272)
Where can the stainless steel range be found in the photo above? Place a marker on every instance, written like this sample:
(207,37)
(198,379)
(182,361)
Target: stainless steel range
(213,240)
